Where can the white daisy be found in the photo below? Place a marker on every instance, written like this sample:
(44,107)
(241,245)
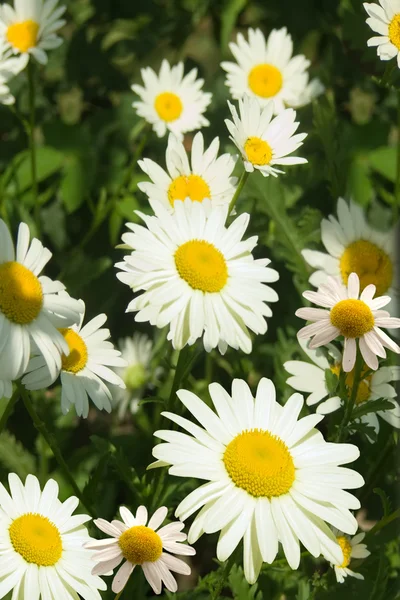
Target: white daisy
(171,101)
(9,67)
(351,548)
(352,316)
(206,177)
(267,70)
(271,477)
(198,276)
(138,542)
(31,307)
(384,18)
(264,143)
(30,27)
(5,388)
(42,544)
(83,369)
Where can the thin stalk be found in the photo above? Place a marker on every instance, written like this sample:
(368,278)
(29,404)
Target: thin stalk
(177,377)
(352,400)
(8,410)
(31,85)
(239,188)
(224,576)
(397,187)
(118,595)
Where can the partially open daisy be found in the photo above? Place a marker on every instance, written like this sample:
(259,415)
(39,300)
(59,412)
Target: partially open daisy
(9,67)
(384,19)
(352,548)
(42,544)
(171,101)
(271,477)
(138,542)
(198,276)
(208,176)
(30,27)
(266,70)
(262,142)
(31,307)
(83,369)
(352,316)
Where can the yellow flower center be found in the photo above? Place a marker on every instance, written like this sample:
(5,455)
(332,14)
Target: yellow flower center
(371,264)
(23,36)
(346,548)
(258,151)
(21,295)
(168,106)
(202,266)
(259,463)
(265,80)
(78,354)
(394,31)
(352,317)
(36,539)
(364,387)
(140,544)
(188,186)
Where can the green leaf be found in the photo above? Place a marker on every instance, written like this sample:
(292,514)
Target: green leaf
(372,406)
(359,184)
(74,184)
(332,381)
(18,176)
(383,161)
(14,457)
(229,14)
(386,505)
(240,588)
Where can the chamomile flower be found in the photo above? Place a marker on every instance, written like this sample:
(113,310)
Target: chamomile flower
(30,27)
(262,142)
(9,67)
(42,544)
(83,369)
(206,176)
(198,276)
(352,548)
(5,388)
(384,19)
(266,70)
(137,541)
(171,101)
(270,477)
(31,307)
(352,316)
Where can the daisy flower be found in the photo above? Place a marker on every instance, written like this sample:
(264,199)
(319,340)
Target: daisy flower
(198,276)
(138,542)
(82,368)
(42,544)
(31,307)
(384,19)
(9,67)
(266,70)
(270,477)
(30,27)
(264,143)
(171,101)
(352,316)
(351,548)
(206,177)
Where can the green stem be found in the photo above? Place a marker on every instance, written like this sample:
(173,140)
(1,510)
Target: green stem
(8,410)
(349,404)
(118,595)
(52,443)
(397,187)
(239,188)
(31,85)
(383,523)
(177,377)
(224,576)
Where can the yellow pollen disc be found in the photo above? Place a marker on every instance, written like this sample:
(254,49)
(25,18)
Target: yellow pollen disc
(168,106)
(371,264)
(346,548)
(78,354)
(259,463)
(364,387)
(188,186)
(352,317)
(21,295)
(202,266)
(140,544)
(23,36)
(36,539)
(265,80)
(258,151)
(394,31)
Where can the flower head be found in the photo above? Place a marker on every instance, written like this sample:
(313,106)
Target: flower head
(351,548)
(9,68)
(384,19)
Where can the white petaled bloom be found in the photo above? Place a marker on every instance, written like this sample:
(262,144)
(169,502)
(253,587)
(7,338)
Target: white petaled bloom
(198,276)
(30,27)
(9,68)
(270,477)
(31,307)
(266,70)
(351,315)
(206,176)
(264,143)
(384,19)
(138,542)
(352,548)
(42,551)
(83,368)
(171,101)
